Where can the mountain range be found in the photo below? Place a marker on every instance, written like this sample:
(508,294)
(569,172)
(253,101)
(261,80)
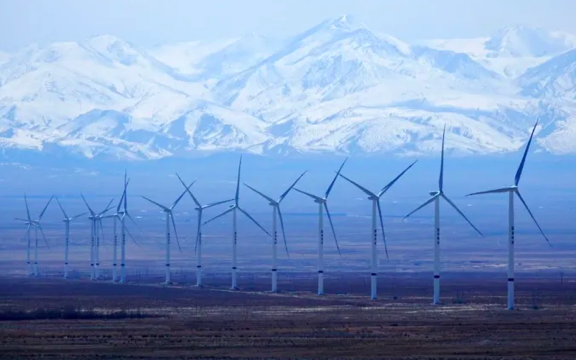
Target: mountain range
(338,87)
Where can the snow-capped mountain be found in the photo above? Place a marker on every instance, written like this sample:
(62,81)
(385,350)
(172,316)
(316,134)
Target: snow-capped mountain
(511,50)
(337,87)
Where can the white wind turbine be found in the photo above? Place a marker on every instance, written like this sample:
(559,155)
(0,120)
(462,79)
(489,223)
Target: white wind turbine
(276,213)
(170,217)
(375,199)
(323,205)
(436,195)
(37,226)
(198,246)
(123,215)
(233,210)
(95,219)
(511,190)
(67,221)
(118,215)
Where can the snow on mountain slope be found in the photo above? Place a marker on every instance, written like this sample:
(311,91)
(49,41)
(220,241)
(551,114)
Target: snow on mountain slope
(219,58)
(186,56)
(335,59)
(560,134)
(337,87)
(208,127)
(512,50)
(202,126)
(4,57)
(523,41)
(103,72)
(555,78)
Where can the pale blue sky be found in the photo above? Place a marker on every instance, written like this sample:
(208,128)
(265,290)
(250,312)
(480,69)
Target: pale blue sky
(146,23)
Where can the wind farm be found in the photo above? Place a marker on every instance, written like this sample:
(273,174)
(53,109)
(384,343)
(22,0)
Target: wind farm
(372,284)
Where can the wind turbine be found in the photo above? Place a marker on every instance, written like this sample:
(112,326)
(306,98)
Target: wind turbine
(511,190)
(170,217)
(276,213)
(198,246)
(116,216)
(95,219)
(67,221)
(233,209)
(125,214)
(375,199)
(436,195)
(37,226)
(323,205)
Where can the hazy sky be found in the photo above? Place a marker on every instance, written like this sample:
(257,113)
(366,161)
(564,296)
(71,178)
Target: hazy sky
(146,22)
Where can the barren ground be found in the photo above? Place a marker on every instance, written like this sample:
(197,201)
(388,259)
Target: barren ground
(214,322)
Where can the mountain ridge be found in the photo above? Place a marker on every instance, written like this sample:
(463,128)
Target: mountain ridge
(337,87)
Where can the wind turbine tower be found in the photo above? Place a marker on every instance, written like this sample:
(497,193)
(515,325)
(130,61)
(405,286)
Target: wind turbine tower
(95,221)
(37,226)
(67,221)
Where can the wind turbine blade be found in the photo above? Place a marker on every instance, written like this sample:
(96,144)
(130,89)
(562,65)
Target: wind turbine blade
(77,216)
(521,167)
(27,230)
(283,232)
(101,230)
(222,214)
(27,208)
(253,220)
(198,230)
(126,182)
(461,214)
(61,208)
(308,194)
(421,206)
(131,237)
(368,192)
(334,180)
(332,227)
(189,192)
(19,219)
(272,201)
(389,185)
(290,188)
(88,206)
(155,203)
(122,198)
(382,227)
(501,190)
(43,236)
(108,207)
(182,195)
(237,196)
(441,178)
(532,216)
(175,231)
(215,203)
(45,207)
(133,222)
